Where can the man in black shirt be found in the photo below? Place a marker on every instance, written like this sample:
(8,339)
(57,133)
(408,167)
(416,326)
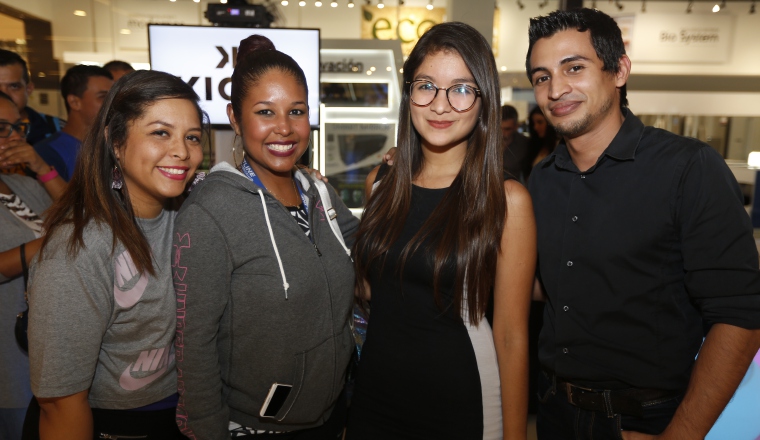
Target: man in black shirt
(515,144)
(642,237)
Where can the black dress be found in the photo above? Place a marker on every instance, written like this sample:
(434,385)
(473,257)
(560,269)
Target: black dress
(425,373)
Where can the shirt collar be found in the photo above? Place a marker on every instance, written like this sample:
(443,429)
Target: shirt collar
(622,147)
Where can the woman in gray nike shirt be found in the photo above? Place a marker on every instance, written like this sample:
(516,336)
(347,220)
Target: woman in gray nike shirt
(102,307)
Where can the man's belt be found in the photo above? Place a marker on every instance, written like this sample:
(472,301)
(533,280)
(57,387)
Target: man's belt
(629,401)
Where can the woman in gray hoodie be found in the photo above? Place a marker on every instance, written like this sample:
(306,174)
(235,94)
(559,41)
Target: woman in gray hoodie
(264,287)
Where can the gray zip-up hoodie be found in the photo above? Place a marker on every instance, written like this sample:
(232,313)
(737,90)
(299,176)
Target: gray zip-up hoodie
(258,303)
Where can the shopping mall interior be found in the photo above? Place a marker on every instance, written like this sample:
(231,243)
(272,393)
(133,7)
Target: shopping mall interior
(695,72)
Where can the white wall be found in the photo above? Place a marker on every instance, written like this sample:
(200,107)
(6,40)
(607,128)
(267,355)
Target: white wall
(744,58)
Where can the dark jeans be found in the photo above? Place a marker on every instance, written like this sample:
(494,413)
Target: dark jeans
(559,420)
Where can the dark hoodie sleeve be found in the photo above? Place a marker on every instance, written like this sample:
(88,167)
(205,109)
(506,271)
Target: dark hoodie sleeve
(347,222)
(202,267)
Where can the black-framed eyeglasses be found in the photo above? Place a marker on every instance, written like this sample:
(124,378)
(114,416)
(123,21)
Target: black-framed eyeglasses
(6,129)
(461,97)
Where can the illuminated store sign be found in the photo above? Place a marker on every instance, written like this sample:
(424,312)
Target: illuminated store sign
(405,24)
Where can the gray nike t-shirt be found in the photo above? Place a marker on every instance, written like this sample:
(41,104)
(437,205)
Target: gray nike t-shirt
(96,323)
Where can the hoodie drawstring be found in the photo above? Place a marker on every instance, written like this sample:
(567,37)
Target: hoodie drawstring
(285,284)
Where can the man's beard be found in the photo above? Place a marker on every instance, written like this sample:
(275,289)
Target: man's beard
(575,128)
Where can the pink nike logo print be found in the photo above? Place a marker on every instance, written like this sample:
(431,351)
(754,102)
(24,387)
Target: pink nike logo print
(129,383)
(125,273)
(157,359)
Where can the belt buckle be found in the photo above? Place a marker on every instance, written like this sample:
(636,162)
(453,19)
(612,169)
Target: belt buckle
(569,391)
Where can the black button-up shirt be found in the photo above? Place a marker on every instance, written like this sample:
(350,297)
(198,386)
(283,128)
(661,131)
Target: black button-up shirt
(634,252)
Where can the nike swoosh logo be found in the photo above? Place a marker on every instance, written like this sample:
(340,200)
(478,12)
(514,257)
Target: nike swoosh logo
(125,270)
(129,383)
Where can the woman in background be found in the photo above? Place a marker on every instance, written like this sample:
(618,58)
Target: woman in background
(443,230)
(266,288)
(23,201)
(102,304)
(543,139)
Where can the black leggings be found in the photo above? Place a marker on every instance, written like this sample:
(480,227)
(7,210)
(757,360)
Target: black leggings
(149,425)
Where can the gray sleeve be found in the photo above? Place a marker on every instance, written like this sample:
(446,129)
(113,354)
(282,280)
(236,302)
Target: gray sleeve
(202,270)
(69,311)
(347,222)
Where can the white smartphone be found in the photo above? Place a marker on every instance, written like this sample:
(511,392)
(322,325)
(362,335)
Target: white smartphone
(278,393)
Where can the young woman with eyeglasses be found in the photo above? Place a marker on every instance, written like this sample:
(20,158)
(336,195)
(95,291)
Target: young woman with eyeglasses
(443,233)
(101,297)
(23,201)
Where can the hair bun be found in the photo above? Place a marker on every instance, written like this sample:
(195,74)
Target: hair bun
(252,44)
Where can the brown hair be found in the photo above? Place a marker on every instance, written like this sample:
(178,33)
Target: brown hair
(89,196)
(472,213)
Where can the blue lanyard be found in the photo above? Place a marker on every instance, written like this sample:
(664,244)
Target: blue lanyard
(248,171)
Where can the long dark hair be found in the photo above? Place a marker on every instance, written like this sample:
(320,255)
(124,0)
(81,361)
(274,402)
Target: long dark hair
(472,212)
(89,196)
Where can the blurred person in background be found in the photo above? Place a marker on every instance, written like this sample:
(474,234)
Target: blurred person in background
(118,68)
(514,143)
(15,81)
(543,139)
(23,201)
(83,88)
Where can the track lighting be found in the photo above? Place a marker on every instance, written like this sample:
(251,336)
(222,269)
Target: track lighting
(752,7)
(720,6)
(644,6)
(689,6)
(543,4)
(430,5)
(520,4)
(619,5)
(380,4)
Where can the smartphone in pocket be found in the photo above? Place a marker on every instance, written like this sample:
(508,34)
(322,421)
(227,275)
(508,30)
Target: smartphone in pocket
(278,393)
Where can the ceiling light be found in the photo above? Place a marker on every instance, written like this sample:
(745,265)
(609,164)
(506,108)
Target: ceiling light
(172,1)
(350,3)
(388,69)
(503,68)
(224,2)
(334,4)
(302,3)
(284,2)
(380,4)
(720,6)
(125,32)
(318,4)
(80,13)
(197,1)
(430,6)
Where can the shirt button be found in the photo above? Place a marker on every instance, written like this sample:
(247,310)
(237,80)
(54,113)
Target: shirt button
(569,264)
(566,308)
(565,350)
(575,218)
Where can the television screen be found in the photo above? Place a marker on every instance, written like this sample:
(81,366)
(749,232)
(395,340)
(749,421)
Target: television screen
(204,56)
